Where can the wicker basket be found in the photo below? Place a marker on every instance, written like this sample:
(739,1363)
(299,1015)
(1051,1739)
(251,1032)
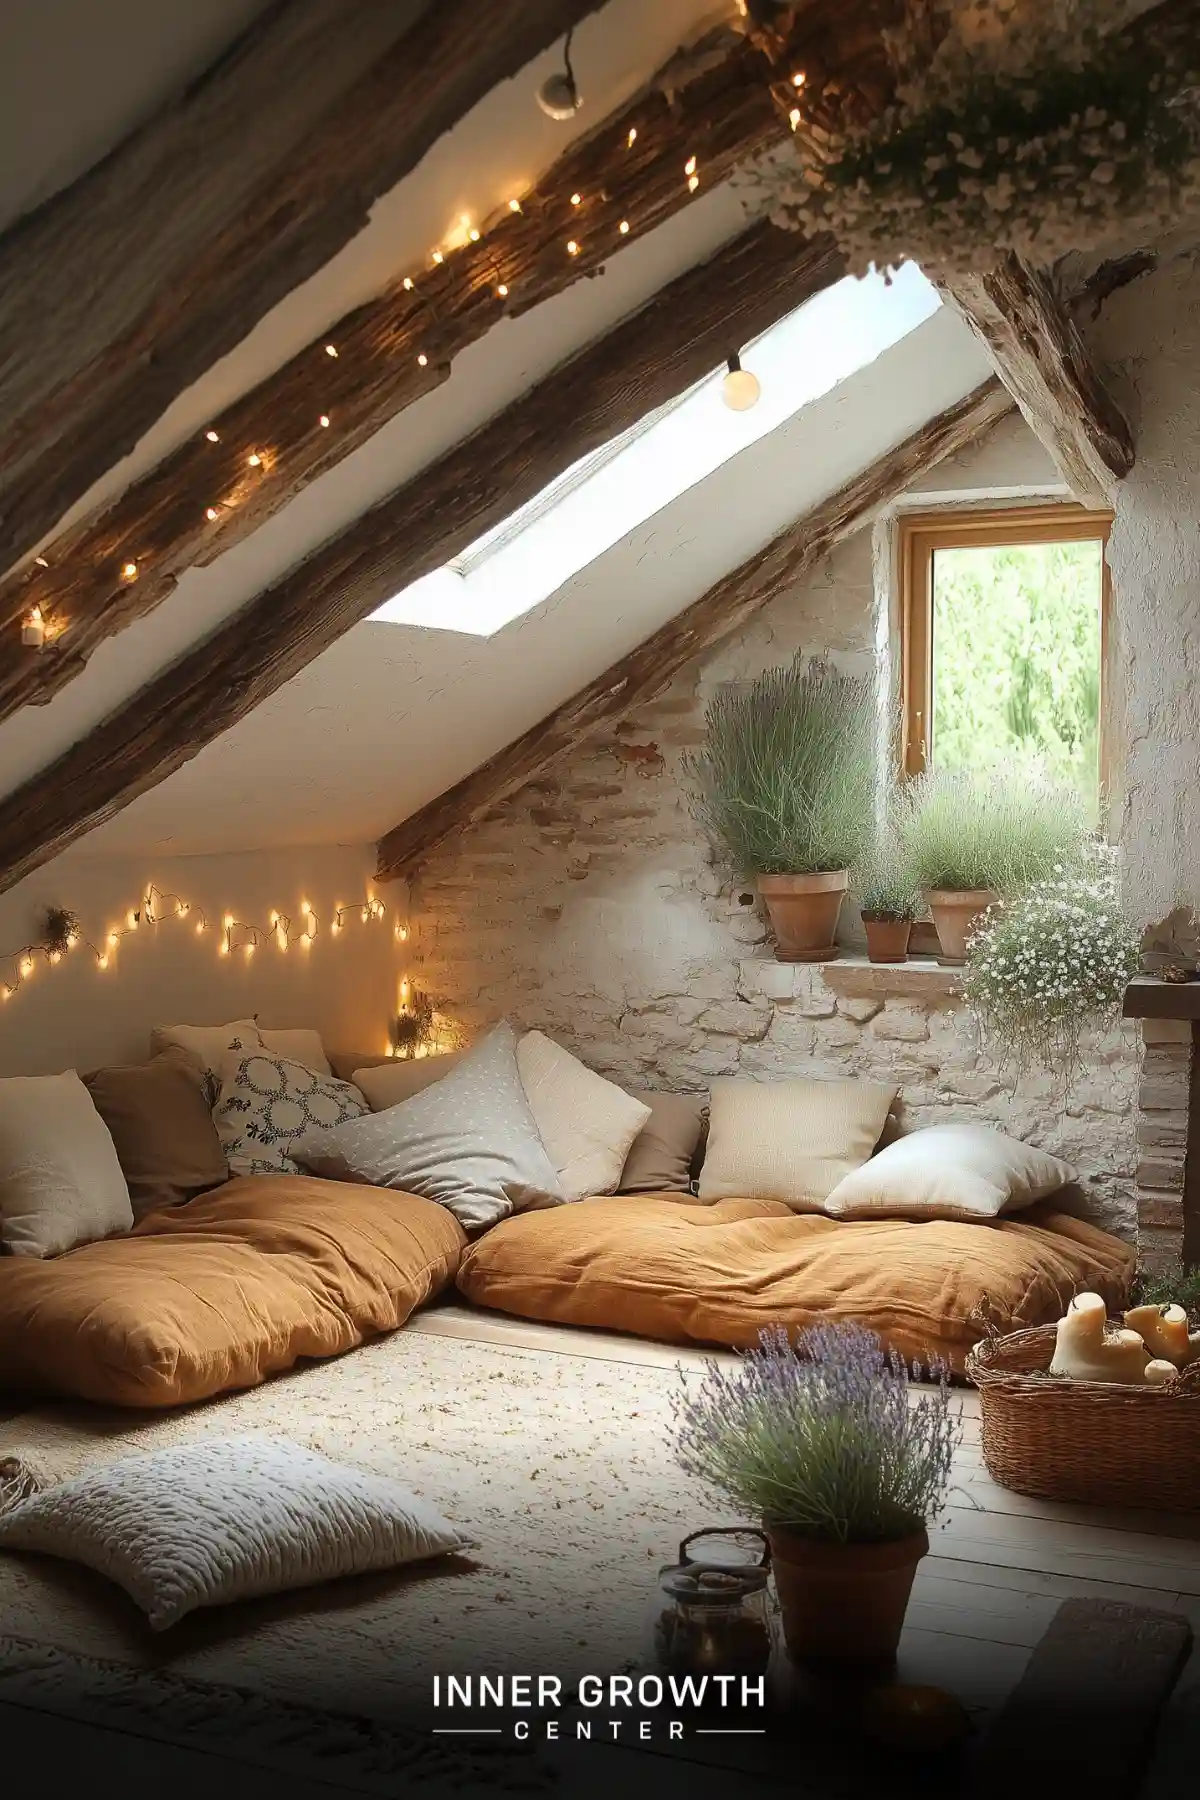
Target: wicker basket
(1095,1441)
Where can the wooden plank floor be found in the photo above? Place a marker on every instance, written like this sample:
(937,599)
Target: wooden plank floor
(999,1563)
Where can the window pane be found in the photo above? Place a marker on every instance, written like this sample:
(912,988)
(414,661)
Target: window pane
(1016,659)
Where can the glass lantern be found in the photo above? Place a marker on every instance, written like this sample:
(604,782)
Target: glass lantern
(713,1617)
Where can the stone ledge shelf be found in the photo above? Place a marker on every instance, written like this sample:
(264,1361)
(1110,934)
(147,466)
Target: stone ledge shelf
(921,977)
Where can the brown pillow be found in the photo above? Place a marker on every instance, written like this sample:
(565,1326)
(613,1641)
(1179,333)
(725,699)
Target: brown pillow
(392,1080)
(662,1154)
(344,1062)
(158,1118)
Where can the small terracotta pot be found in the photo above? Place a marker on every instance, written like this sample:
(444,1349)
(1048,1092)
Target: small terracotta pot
(887,938)
(843,1601)
(954,913)
(804,913)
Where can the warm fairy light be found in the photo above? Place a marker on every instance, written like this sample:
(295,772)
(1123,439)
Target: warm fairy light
(227,921)
(101,963)
(214,437)
(223,947)
(55,956)
(623,227)
(689,167)
(27,966)
(423,360)
(210,512)
(41,562)
(114,937)
(572,247)
(799,79)
(249,951)
(129,571)
(33,629)
(199,927)
(323,421)
(794,117)
(502,290)
(72,939)
(473,234)
(131,920)
(254,459)
(693,183)
(631,140)
(514,206)
(305,908)
(331,350)
(576,199)
(438,257)
(274,920)
(408,283)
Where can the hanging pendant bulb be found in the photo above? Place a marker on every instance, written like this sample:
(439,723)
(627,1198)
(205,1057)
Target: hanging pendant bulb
(558,96)
(740,389)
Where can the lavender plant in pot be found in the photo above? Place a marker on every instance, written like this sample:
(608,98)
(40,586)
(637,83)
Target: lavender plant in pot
(784,788)
(846,1467)
(888,898)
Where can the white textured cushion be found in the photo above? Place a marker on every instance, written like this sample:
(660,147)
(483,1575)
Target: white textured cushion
(268,1104)
(60,1181)
(949,1172)
(790,1140)
(224,1519)
(206,1044)
(586,1123)
(468,1142)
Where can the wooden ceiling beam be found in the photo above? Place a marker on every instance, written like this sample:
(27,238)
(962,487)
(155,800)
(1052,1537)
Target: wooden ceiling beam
(678,337)
(725,608)
(710,103)
(122,290)
(1040,355)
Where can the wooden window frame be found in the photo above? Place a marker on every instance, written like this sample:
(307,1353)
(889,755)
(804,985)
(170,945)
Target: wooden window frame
(921,535)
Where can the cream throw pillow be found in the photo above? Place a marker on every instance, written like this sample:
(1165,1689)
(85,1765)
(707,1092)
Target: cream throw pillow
(949,1172)
(206,1044)
(224,1519)
(790,1140)
(586,1123)
(60,1181)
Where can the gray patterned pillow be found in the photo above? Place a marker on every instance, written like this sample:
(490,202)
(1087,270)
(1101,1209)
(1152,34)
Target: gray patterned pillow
(267,1104)
(469,1142)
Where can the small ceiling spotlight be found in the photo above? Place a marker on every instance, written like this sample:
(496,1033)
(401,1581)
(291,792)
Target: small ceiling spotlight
(558,96)
(740,389)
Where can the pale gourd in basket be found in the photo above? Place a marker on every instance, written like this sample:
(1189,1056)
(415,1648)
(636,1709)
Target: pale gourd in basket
(1164,1331)
(1087,1349)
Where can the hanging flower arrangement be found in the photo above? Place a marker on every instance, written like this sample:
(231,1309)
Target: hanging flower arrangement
(1039,129)
(1053,963)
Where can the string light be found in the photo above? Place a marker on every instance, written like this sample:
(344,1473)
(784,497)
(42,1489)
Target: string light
(623,227)
(324,421)
(473,234)
(693,183)
(689,167)
(41,562)
(129,571)
(254,459)
(33,629)
(423,359)
(572,247)
(331,350)
(408,283)
(514,206)
(799,78)
(576,199)
(212,512)
(214,437)
(502,290)
(438,257)
(794,117)
(631,140)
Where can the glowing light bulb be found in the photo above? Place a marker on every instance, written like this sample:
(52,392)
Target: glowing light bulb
(623,227)
(214,437)
(113,938)
(210,512)
(576,199)
(407,283)
(689,167)
(42,564)
(27,966)
(402,933)
(502,290)
(254,459)
(438,257)
(799,79)
(740,389)
(101,963)
(331,350)
(473,235)
(794,117)
(514,206)
(572,247)
(249,950)
(693,183)
(199,927)
(129,571)
(33,629)
(227,921)
(274,918)
(131,919)
(631,140)
(72,939)
(423,360)
(55,956)
(306,940)
(324,421)
(224,948)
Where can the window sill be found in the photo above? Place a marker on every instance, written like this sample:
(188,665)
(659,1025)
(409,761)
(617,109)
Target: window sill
(853,974)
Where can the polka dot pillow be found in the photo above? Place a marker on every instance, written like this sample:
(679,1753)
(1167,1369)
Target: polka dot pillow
(267,1103)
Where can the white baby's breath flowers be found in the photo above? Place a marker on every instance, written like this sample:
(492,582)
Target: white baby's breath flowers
(1052,963)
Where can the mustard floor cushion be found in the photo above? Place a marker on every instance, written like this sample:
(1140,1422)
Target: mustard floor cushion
(716,1274)
(222,1292)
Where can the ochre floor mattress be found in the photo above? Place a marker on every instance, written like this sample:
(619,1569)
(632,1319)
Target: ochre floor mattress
(222,1292)
(690,1273)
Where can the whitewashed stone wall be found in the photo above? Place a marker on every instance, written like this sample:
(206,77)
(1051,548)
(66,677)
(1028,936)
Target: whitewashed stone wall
(588,906)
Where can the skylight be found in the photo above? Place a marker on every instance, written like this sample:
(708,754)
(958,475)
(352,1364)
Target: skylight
(612,491)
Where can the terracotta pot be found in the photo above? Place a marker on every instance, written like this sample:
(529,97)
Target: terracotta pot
(843,1601)
(954,913)
(804,913)
(887,938)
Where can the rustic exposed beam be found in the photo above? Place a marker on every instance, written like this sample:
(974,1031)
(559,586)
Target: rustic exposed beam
(725,608)
(710,103)
(119,292)
(1042,359)
(658,352)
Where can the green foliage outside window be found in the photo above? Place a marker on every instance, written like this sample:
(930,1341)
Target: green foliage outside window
(1016,661)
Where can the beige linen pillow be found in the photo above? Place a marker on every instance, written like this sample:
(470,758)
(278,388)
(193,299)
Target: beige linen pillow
(396,1079)
(662,1154)
(298,1046)
(949,1172)
(586,1123)
(206,1044)
(224,1519)
(790,1140)
(60,1181)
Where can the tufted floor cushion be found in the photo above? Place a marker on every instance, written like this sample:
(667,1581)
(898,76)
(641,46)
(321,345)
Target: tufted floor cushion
(683,1272)
(222,1292)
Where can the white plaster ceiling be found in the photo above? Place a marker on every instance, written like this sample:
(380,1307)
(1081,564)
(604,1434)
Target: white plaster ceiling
(394,714)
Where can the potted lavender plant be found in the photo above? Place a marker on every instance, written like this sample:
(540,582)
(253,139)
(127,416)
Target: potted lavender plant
(844,1465)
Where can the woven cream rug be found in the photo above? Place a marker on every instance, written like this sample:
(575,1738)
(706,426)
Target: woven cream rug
(558,1464)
